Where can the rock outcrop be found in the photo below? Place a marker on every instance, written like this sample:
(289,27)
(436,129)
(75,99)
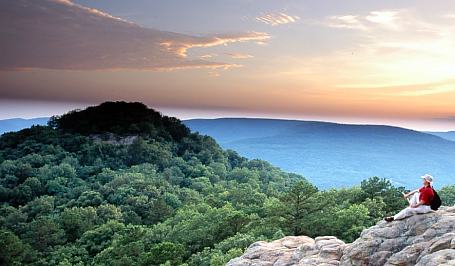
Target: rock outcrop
(425,239)
(292,250)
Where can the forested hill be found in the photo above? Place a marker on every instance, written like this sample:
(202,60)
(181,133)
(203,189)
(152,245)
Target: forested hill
(121,184)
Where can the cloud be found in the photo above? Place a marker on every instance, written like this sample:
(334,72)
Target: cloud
(180,46)
(59,34)
(239,55)
(205,56)
(385,18)
(391,19)
(275,19)
(345,21)
(386,49)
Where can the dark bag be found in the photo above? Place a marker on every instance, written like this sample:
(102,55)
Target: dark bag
(436,201)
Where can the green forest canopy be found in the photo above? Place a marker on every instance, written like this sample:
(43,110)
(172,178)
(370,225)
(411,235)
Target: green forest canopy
(121,184)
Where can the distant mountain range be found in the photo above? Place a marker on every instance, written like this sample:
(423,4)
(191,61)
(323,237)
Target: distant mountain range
(334,155)
(450,135)
(15,124)
(329,154)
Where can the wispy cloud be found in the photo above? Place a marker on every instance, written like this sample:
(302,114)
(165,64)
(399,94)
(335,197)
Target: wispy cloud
(180,46)
(384,18)
(90,10)
(239,55)
(205,56)
(275,19)
(59,34)
(345,21)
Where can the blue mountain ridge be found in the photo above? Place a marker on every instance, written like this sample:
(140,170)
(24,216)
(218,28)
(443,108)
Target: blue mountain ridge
(450,135)
(16,124)
(336,155)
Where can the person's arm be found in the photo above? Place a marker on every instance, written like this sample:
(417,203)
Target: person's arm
(407,195)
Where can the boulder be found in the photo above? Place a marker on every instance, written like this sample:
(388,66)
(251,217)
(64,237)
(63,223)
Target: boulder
(292,250)
(424,239)
(404,242)
(280,252)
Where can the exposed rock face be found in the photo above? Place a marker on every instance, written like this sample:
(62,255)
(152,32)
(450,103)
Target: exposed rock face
(111,138)
(279,252)
(416,240)
(426,239)
(292,250)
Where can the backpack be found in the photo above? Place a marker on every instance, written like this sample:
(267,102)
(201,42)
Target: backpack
(436,201)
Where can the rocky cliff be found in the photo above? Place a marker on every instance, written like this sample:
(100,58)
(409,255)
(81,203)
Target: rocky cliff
(426,239)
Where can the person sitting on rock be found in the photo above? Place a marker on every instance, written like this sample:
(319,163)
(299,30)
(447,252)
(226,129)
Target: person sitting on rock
(419,202)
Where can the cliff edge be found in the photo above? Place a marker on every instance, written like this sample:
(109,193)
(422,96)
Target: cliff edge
(425,239)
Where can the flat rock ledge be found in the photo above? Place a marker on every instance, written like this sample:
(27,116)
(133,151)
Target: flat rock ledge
(423,240)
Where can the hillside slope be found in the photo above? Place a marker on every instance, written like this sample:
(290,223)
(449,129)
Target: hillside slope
(122,184)
(424,240)
(334,155)
(15,124)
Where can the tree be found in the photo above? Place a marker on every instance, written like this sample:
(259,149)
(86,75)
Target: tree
(107,212)
(90,198)
(164,252)
(44,233)
(375,187)
(41,206)
(300,201)
(12,219)
(100,238)
(447,195)
(68,255)
(77,220)
(13,251)
(126,248)
(349,222)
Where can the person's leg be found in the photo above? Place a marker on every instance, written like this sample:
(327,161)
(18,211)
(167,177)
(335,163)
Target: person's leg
(403,214)
(414,198)
(411,211)
(422,209)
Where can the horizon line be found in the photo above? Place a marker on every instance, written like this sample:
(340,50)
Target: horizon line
(274,118)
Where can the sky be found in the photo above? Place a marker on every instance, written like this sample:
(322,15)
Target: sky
(352,61)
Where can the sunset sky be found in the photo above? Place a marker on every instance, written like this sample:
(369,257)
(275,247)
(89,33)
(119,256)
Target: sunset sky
(387,62)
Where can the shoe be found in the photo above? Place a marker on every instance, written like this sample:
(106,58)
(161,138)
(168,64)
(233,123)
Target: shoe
(388,219)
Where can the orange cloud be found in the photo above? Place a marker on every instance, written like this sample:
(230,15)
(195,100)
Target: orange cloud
(59,34)
(180,46)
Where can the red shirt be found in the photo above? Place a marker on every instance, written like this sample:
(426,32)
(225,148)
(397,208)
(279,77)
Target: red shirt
(426,194)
